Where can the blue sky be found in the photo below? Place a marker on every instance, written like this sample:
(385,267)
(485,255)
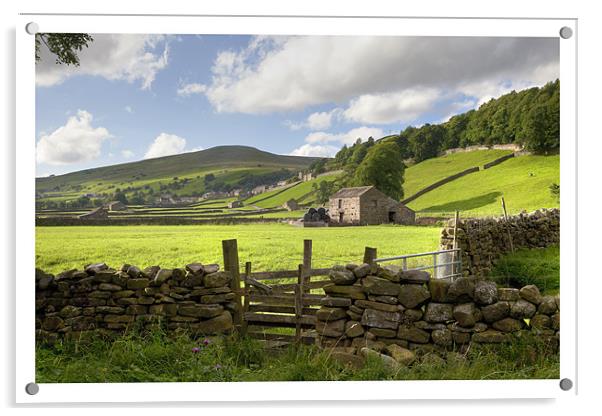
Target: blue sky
(137,96)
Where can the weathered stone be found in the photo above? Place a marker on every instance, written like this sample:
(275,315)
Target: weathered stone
(211,268)
(192,280)
(555,321)
(178,318)
(195,268)
(80,323)
(415,276)
(104,276)
(547,306)
(210,291)
(151,272)
(127,301)
(412,296)
(490,336)
(162,276)
(367,304)
(221,298)
(413,334)
(119,318)
(342,277)
(109,287)
(442,337)
(356,309)
(52,323)
(508,325)
(400,354)
(432,359)
(354,316)
(438,289)
(378,286)
(389,362)
(362,270)
(218,324)
(539,321)
(348,359)
(133,271)
(478,327)
(137,283)
(485,292)
(145,300)
(99,294)
(521,309)
(464,314)
(115,310)
(429,326)
(383,333)
(70,311)
(352,292)
(411,315)
(353,329)
(120,278)
(359,343)
(178,274)
(95,268)
(508,294)
(531,293)
(391,300)
(45,282)
(330,314)
(136,310)
(217,279)
(380,319)
(200,311)
(438,312)
(460,337)
(390,272)
(331,328)
(495,312)
(335,302)
(461,290)
(164,309)
(122,294)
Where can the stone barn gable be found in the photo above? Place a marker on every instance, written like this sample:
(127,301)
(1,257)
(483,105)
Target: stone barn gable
(366,205)
(116,206)
(291,205)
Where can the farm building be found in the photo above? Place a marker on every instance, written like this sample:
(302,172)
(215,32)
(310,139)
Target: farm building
(96,214)
(291,205)
(366,205)
(235,204)
(116,206)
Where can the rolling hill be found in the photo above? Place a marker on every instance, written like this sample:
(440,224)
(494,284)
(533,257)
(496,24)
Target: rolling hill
(228,163)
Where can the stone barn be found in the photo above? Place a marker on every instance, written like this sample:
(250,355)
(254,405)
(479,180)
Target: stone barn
(99,213)
(116,206)
(235,204)
(291,205)
(366,205)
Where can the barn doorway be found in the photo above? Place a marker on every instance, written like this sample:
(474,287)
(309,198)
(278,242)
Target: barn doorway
(341,217)
(391,216)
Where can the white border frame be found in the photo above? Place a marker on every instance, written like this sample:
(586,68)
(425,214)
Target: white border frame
(288,25)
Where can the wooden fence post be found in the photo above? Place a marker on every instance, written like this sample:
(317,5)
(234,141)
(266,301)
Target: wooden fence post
(230,251)
(299,289)
(244,326)
(507,225)
(369,255)
(455,245)
(307,255)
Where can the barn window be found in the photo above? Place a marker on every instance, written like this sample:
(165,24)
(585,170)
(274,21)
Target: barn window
(374,203)
(340,203)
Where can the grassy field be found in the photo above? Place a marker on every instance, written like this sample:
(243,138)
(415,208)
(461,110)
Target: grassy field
(267,246)
(540,267)
(523,182)
(425,173)
(158,358)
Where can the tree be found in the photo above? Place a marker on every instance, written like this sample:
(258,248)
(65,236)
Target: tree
(383,168)
(65,46)
(120,196)
(426,142)
(323,191)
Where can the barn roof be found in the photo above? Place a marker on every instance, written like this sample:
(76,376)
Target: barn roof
(352,192)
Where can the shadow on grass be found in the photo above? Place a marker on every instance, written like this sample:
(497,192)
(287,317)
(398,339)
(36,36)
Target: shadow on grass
(466,204)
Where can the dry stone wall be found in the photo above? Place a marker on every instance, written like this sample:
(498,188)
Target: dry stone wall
(384,311)
(484,240)
(98,299)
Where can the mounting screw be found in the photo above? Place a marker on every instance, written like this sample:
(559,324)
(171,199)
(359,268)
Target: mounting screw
(566,384)
(32,389)
(32,28)
(566,32)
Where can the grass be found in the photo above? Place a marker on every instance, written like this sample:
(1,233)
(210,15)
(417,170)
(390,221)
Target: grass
(158,358)
(540,267)
(268,246)
(425,173)
(523,182)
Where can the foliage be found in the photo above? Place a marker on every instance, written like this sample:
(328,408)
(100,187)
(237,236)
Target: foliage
(323,190)
(383,168)
(65,46)
(540,267)
(555,191)
(156,357)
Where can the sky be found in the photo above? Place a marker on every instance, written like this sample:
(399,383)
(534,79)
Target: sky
(136,97)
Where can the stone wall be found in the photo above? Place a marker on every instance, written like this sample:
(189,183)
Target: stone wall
(440,183)
(374,310)
(77,303)
(484,240)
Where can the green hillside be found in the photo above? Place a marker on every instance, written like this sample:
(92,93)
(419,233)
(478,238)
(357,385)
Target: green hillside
(523,182)
(425,173)
(182,174)
(302,193)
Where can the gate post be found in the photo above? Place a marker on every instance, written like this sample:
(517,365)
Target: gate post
(230,251)
(369,255)
(307,254)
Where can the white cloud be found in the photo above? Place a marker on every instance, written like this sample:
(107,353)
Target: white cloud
(76,141)
(316,121)
(190,89)
(348,137)
(292,73)
(128,109)
(114,57)
(165,145)
(127,154)
(315,150)
(401,106)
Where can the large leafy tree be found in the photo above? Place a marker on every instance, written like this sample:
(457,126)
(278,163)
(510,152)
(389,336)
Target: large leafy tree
(383,168)
(65,46)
